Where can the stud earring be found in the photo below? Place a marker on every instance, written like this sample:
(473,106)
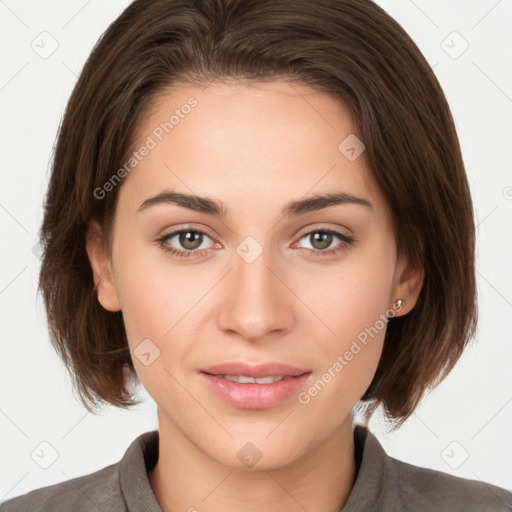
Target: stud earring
(399,303)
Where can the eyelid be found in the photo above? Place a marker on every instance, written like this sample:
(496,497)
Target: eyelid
(323,227)
(185,227)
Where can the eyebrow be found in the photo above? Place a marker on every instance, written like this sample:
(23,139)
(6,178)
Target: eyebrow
(216,208)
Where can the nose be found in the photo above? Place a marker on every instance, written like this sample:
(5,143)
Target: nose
(255,301)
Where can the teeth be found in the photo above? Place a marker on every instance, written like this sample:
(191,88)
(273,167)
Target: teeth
(242,379)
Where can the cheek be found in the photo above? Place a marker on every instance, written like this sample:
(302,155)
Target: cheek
(153,293)
(351,301)
(162,304)
(351,296)
(350,340)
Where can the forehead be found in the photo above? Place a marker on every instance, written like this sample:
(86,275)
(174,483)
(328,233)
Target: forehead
(260,141)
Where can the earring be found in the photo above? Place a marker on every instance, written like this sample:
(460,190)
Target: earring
(399,303)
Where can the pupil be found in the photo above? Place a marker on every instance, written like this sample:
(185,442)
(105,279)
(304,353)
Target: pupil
(189,239)
(325,239)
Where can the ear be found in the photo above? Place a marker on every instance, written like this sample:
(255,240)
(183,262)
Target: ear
(101,268)
(407,284)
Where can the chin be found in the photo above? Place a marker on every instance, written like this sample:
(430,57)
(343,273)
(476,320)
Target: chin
(258,454)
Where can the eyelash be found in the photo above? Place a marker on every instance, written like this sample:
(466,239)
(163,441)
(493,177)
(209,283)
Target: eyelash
(346,240)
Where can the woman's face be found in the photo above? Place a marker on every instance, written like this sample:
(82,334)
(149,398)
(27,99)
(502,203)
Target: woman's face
(245,284)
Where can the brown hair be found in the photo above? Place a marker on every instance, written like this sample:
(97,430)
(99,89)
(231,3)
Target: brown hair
(349,48)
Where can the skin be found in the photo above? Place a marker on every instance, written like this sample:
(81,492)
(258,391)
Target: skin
(254,147)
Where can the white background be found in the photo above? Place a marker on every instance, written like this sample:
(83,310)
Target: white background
(468,415)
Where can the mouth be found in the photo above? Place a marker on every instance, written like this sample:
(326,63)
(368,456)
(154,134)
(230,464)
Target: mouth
(265,370)
(255,387)
(245,379)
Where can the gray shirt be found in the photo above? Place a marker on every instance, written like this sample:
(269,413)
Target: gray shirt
(383,484)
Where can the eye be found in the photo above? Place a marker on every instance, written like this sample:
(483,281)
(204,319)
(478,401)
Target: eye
(322,239)
(190,239)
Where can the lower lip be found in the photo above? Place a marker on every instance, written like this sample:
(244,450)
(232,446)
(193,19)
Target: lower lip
(255,396)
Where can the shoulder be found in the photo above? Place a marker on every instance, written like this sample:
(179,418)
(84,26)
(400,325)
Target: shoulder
(115,488)
(385,483)
(428,489)
(95,491)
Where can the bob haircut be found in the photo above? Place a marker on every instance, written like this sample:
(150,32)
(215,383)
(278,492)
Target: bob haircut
(351,49)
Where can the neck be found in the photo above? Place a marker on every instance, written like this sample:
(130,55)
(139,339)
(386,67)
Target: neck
(187,479)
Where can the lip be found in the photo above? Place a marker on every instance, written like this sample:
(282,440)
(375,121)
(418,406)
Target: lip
(255,396)
(272,369)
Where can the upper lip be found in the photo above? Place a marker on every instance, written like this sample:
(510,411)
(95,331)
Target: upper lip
(272,369)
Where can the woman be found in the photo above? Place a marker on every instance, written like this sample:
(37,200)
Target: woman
(259,210)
